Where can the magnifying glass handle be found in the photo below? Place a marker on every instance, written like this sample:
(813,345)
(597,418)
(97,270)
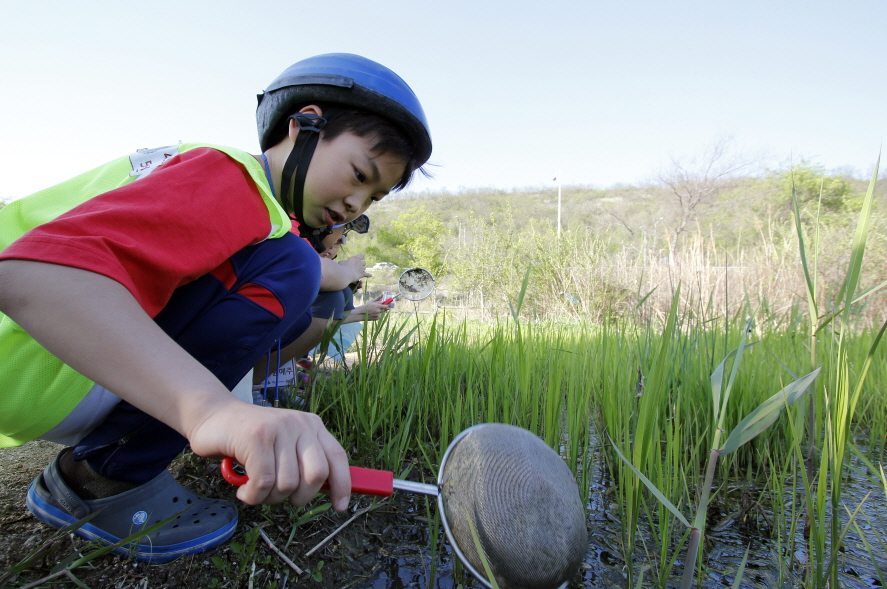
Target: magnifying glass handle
(388,301)
(364,481)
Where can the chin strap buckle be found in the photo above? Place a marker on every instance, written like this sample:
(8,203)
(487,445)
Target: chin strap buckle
(309,122)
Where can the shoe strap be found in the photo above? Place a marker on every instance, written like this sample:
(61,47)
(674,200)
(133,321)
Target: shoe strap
(60,491)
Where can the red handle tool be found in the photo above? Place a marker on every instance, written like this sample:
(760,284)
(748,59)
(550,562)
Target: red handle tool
(364,481)
(388,301)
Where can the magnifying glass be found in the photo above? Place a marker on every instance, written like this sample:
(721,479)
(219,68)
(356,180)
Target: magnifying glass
(414,284)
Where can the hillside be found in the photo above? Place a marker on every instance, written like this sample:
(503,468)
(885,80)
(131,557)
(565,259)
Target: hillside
(621,243)
(618,243)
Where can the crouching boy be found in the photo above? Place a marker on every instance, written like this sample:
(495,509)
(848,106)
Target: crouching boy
(135,296)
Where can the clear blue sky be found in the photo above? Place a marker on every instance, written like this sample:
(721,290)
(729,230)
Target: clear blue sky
(605,91)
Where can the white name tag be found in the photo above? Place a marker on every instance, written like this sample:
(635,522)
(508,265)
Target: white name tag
(145,161)
(284,376)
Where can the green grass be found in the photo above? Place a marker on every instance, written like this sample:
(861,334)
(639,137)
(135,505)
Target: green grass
(690,418)
(649,389)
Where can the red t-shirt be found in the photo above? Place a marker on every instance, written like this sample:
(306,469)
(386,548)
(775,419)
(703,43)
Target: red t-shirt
(159,232)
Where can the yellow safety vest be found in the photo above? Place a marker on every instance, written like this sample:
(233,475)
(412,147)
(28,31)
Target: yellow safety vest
(37,390)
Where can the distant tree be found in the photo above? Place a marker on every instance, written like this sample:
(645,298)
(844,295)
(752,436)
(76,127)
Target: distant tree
(810,182)
(413,239)
(697,182)
(492,260)
(383,247)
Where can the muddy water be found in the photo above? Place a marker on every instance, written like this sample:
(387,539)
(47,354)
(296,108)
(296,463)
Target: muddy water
(410,562)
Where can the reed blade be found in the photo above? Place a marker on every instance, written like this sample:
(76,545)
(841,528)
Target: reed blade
(766,413)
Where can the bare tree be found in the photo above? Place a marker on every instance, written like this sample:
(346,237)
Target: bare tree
(696,182)
(622,221)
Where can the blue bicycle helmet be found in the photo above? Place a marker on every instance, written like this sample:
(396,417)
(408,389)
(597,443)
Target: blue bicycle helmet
(340,78)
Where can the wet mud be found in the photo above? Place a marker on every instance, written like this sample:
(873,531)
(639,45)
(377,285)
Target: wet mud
(395,543)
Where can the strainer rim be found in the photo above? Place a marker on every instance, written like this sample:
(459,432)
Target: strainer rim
(443,512)
(441,509)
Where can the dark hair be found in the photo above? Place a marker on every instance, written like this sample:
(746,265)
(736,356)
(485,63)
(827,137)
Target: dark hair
(387,137)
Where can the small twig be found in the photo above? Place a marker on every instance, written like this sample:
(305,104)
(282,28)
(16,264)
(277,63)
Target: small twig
(340,528)
(45,579)
(252,574)
(277,551)
(764,514)
(42,553)
(18,519)
(77,550)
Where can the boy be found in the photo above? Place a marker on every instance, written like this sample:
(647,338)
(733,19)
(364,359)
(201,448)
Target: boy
(329,305)
(135,296)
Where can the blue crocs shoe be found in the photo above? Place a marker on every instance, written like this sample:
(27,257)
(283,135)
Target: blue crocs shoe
(200,524)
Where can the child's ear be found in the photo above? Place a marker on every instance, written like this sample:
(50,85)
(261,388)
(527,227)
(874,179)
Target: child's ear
(294,126)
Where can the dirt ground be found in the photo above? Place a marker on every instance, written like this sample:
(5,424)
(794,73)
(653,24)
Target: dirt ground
(388,546)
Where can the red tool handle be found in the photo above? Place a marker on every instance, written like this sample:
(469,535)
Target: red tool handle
(364,481)
(388,301)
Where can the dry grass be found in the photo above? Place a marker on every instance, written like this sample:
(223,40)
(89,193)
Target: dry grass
(593,284)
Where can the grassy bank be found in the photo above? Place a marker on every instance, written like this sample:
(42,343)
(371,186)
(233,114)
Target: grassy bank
(687,404)
(419,384)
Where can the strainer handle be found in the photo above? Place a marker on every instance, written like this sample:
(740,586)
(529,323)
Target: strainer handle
(364,481)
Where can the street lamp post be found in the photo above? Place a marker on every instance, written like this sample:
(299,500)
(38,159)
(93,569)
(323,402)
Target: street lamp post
(557,178)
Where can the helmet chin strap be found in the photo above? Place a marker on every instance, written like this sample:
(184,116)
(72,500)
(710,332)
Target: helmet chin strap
(292,182)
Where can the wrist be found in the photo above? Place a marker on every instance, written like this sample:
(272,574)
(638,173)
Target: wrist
(198,408)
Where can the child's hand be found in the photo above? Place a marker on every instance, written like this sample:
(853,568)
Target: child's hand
(358,265)
(372,310)
(287,454)
(379,300)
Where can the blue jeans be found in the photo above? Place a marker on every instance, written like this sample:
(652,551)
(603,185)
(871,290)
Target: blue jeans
(227,320)
(332,304)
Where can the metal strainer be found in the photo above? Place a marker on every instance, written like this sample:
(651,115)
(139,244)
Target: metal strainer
(513,490)
(521,499)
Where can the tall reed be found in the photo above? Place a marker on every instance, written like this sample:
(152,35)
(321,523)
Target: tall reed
(657,384)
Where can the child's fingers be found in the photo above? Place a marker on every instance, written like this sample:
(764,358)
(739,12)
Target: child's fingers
(289,476)
(262,472)
(302,462)
(288,455)
(339,479)
(314,470)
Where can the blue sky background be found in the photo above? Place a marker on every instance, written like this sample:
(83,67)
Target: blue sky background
(605,91)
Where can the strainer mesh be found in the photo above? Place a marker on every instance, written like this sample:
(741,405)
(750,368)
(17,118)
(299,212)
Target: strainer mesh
(523,502)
